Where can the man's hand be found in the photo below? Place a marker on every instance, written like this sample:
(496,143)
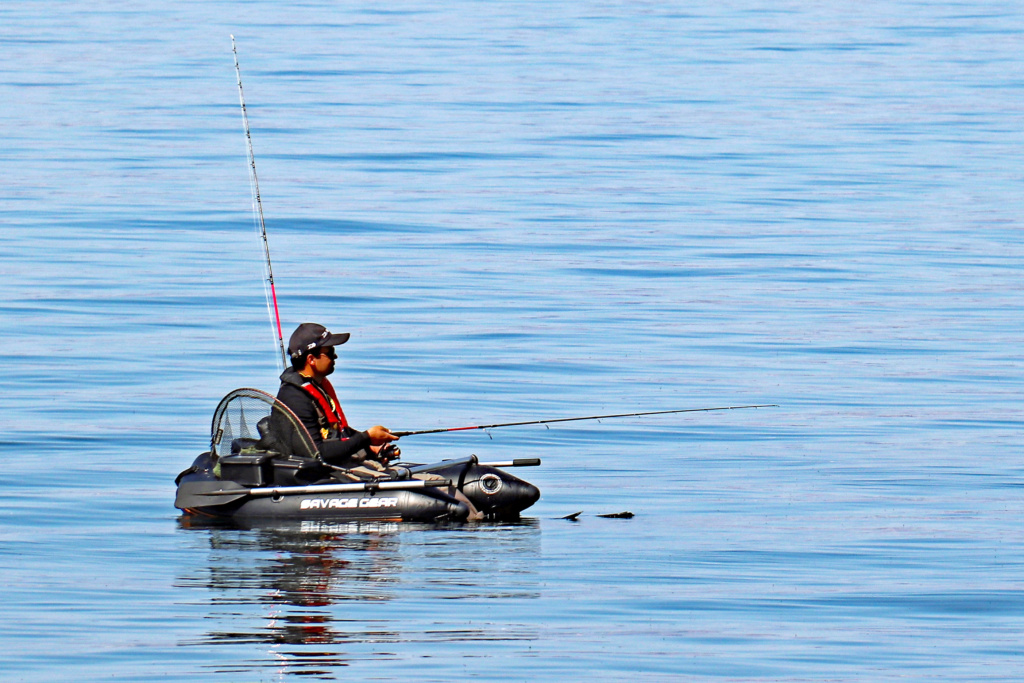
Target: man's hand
(380,435)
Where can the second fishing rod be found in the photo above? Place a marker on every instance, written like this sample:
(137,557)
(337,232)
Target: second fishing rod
(261,227)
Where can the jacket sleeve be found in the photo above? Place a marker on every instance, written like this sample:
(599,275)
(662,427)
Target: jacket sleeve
(334,451)
(339,451)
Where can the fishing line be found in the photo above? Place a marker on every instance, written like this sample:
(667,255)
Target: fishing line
(269,291)
(576,419)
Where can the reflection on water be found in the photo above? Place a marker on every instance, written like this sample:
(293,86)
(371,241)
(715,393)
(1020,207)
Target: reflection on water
(314,591)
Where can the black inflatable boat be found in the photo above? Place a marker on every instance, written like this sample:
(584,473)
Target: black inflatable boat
(263,465)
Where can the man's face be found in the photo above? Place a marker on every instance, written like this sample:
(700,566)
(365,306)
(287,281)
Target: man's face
(323,364)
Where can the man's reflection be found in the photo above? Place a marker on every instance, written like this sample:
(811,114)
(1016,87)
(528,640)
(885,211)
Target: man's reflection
(302,577)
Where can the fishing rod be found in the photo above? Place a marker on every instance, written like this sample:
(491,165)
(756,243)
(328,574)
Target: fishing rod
(576,419)
(269,291)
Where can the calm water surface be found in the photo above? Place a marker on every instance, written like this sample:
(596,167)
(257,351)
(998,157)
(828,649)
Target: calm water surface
(523,210)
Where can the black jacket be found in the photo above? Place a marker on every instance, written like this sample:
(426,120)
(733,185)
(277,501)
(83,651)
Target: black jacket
(343,451)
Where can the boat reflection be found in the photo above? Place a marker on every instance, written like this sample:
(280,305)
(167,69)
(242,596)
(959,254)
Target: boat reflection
(325,594)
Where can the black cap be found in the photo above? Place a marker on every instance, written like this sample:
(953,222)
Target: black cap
(309,336)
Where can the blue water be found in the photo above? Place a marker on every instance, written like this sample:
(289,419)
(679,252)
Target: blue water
(523,210)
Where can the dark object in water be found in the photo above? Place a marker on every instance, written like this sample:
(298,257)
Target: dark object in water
(574,517)
(277,474)
(619,515)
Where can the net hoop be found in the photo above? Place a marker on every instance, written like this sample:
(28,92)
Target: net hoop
(264,405)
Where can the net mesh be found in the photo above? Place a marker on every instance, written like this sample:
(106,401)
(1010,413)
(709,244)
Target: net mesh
(250,420)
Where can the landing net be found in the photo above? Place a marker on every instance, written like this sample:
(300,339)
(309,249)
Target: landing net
(250,420)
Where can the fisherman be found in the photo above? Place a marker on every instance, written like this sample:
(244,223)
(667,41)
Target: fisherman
(306,390)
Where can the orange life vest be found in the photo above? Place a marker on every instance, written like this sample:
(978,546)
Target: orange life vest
(332,418)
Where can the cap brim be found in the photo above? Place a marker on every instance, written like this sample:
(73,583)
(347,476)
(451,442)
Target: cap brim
(336,339)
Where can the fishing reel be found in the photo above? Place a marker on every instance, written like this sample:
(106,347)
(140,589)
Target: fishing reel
(387,454)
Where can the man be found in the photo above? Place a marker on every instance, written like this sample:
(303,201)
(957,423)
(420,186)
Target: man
(306,390)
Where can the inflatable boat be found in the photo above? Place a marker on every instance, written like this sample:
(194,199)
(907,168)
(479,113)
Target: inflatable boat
(263,465)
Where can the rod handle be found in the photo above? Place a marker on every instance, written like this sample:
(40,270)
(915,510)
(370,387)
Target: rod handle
(518,462)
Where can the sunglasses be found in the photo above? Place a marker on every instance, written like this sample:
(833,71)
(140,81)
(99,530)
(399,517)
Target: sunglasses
(329,352)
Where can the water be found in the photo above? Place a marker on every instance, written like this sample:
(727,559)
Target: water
(523,211)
